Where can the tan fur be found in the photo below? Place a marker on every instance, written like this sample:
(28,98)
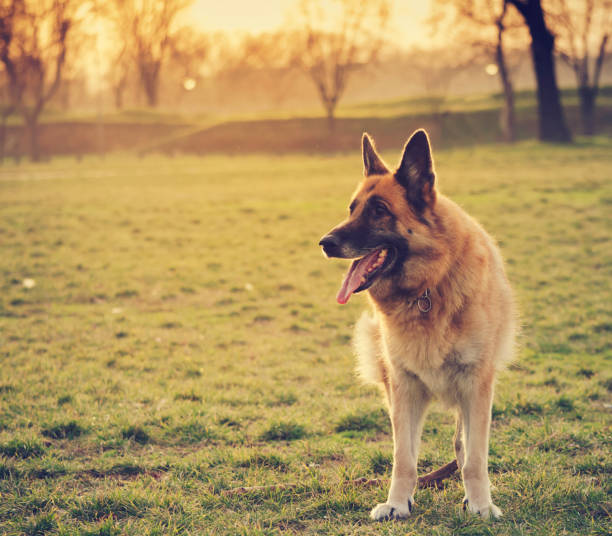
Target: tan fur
(450,353)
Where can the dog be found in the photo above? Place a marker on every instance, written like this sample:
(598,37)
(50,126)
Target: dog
(443,319)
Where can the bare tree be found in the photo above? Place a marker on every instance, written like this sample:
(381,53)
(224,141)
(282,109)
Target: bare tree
(33,46)
(258,65)
(484,25)
(120,49)
(507,119)
(436,69)
(6,109)
(335,39)
(583,29)
(146,29)
(119,73)
(550,113)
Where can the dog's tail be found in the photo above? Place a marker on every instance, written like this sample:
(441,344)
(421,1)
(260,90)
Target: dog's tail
(367,343)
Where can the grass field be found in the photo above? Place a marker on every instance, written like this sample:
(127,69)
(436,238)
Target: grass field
(169,331)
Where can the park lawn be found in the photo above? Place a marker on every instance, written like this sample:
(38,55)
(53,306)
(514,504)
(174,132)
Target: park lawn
(182,338)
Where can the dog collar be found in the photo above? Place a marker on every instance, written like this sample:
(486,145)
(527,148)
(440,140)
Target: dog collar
(423,302)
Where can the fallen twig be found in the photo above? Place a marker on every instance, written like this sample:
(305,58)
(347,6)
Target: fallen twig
(430,480)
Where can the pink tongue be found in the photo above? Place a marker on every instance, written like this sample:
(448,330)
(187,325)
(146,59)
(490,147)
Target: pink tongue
(352,280)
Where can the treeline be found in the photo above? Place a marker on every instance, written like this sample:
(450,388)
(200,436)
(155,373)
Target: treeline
(119,53)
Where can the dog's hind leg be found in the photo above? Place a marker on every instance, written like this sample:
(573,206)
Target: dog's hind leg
(458,441)
(476,413)
(408,400)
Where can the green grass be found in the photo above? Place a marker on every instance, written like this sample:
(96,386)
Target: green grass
(181,338)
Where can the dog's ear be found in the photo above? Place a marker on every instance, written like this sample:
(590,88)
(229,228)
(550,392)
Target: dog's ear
(372,163)
(416,172)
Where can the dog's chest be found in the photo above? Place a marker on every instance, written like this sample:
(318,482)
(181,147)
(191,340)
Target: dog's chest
(440,365)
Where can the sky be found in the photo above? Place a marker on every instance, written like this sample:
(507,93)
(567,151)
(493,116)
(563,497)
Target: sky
(407,26)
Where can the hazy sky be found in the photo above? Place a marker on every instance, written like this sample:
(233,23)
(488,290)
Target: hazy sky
(407,24)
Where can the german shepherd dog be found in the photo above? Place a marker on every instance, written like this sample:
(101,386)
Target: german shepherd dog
(443,317)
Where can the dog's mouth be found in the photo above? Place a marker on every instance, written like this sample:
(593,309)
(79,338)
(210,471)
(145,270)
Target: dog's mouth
(363,273)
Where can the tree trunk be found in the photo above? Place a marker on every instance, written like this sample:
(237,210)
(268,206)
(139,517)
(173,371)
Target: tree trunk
(149,75)
(507,116)
(330,108)
(587,96)
(3,136)
(31,124)
(331,121)
(151,92)
(119,88)
(551,120)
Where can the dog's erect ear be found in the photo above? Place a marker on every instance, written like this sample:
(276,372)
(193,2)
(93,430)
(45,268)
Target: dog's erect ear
(416,173)
(372,163)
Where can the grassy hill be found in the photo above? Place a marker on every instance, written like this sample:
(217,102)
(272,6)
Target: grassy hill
(451,122)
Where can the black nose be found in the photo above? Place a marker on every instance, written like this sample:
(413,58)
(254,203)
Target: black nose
(330,244)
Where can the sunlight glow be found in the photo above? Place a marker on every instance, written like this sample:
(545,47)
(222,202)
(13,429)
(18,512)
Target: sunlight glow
(491,69)
(407,27)
(189,84)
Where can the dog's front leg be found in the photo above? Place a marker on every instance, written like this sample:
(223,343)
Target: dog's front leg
(408,400)
(476,412)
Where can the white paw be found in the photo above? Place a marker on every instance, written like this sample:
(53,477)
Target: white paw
(385,511)
(488,511)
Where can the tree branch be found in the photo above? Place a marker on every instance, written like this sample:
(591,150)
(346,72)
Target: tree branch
(59,62)
(522,7)
(599,62)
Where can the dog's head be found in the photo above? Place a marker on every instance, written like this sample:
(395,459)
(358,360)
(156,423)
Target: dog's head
(388,223)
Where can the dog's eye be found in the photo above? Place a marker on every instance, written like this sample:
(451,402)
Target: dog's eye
(380,210)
